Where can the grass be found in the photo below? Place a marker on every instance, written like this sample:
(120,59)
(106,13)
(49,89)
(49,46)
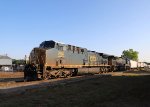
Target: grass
(123,91)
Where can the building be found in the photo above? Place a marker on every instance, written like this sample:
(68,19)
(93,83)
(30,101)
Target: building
(147,66)
(5,63)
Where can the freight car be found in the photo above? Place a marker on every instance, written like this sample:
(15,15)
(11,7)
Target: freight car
(53,59)
(135,65)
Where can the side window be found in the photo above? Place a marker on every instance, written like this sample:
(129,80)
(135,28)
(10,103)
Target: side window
(69,47)
(82,51)
(61,48)
(78,50)
(73,49)
(57,46)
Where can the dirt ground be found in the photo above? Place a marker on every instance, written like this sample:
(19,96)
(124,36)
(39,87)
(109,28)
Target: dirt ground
(11,74)
(119,90)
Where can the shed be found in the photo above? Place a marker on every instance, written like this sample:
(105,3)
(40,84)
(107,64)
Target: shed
(5,60)
(5,63)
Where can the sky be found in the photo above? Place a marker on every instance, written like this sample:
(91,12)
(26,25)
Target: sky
(108,26)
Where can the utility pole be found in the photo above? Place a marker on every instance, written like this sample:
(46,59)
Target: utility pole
(25,59)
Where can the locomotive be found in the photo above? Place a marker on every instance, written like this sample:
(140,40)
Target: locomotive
(54,59)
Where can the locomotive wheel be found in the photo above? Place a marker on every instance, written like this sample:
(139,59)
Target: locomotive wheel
(100,70)
(75,72)
(59,74)
(69,73)
(46,75)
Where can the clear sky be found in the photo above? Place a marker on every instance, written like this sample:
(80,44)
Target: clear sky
(108,26)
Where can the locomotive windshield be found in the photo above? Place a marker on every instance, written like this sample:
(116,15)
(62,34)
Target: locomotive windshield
(47,44)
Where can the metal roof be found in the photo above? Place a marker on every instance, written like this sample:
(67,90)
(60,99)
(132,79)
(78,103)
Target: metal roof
(4,57)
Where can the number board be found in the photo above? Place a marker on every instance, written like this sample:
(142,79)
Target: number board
(61,54)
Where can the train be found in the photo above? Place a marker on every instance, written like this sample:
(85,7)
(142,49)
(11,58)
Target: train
(54,59)
(135,65)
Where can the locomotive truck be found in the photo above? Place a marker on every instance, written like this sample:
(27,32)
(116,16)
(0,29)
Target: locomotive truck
(54,59)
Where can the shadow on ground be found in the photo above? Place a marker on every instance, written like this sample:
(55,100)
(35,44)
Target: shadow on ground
(119,91)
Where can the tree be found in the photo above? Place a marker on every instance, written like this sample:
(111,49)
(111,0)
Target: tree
(18,62)
(131,54)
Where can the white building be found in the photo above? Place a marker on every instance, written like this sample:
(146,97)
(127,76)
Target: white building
(5,63)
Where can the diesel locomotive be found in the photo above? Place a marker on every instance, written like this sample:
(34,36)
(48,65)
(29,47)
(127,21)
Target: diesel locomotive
(54,59)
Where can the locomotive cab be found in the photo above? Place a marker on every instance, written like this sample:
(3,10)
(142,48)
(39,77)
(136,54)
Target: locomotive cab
(47,44)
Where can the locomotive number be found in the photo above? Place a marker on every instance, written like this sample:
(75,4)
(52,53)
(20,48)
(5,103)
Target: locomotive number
(92,58)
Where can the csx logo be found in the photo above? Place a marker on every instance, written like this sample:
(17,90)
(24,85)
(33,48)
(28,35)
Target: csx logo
(92,58)
(61,54)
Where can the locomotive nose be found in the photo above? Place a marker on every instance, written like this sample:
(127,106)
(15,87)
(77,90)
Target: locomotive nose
(37,56)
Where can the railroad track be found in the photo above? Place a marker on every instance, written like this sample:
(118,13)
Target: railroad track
(21,87)
(11,79)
